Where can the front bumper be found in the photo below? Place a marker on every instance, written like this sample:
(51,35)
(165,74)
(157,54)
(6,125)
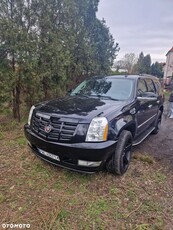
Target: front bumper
(70,153)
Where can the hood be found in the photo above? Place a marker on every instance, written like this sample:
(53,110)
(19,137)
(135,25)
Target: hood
(80,107)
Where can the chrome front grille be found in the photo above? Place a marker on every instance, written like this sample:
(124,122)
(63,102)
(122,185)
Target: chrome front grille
(61,130)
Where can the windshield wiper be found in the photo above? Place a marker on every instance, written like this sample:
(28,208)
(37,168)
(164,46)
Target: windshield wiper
(107,97)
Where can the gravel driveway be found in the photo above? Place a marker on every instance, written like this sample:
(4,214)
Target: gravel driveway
(160,146)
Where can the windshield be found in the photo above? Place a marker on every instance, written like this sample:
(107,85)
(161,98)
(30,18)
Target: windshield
(115,88)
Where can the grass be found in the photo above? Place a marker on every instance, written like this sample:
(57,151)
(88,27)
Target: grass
(51,198)
(167,93)
(144,158)
(2,198)
(1,135)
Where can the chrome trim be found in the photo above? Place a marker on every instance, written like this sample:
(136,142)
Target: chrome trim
(144,137)
(43,115)
(147,120)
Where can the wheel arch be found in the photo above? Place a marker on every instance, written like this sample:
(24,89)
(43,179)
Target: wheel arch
(161,109)
(131,127)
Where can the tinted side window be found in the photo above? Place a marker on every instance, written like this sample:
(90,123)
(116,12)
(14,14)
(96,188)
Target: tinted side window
(158,87)
(141,87)
(150,85)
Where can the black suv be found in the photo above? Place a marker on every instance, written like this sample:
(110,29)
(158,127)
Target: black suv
(96,125)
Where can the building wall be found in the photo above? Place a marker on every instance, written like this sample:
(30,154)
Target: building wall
(168,70)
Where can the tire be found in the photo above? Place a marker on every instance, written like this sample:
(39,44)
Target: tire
(158,123)
(119,162)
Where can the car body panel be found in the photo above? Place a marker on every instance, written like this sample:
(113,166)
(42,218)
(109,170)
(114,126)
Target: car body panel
(81,108)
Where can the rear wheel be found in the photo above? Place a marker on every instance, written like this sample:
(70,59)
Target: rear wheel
(120,160)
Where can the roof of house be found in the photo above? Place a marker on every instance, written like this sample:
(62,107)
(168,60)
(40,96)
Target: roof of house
(171,50)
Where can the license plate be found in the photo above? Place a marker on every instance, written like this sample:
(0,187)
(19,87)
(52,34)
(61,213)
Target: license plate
(52,156)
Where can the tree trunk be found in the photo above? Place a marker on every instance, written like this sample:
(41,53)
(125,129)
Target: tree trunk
(16,94)
(45,88)
(16,102)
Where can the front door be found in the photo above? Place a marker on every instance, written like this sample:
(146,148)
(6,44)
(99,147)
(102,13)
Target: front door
(146,109)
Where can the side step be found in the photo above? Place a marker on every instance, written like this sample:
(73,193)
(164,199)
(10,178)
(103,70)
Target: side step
(141,137)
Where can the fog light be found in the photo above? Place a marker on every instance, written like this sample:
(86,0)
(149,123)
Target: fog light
(89,163)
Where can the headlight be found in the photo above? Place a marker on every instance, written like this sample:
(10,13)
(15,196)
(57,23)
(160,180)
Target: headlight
(30,114)
(98,130)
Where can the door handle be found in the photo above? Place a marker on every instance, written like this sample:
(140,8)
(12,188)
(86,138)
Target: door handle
(149,106)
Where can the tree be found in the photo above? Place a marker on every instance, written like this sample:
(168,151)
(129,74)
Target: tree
(143,64)
(15,43)
(102,48)
(156,69)
(118,65)
(147,64)
(139,68)
(47,44)
(129,62)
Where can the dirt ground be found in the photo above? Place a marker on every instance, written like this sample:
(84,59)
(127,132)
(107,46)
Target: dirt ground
(160,146)
(48,197)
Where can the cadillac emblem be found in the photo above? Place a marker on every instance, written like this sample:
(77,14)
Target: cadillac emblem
(47,128)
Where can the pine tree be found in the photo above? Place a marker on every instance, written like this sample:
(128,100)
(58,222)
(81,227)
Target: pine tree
(47,44)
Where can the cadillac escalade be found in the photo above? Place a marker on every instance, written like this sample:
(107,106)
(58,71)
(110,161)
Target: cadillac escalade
(95,126)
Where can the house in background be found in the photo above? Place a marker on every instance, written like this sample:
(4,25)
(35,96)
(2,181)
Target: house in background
(168,68)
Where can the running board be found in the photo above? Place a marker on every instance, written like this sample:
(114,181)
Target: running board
(141,137)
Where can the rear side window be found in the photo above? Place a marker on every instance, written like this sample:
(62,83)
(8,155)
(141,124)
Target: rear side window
(158,87)
(150,85)
(141,87)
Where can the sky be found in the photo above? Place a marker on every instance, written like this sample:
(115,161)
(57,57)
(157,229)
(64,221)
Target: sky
(140,25)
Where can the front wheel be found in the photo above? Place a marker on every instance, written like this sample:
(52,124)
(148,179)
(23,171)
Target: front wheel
(120,160)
